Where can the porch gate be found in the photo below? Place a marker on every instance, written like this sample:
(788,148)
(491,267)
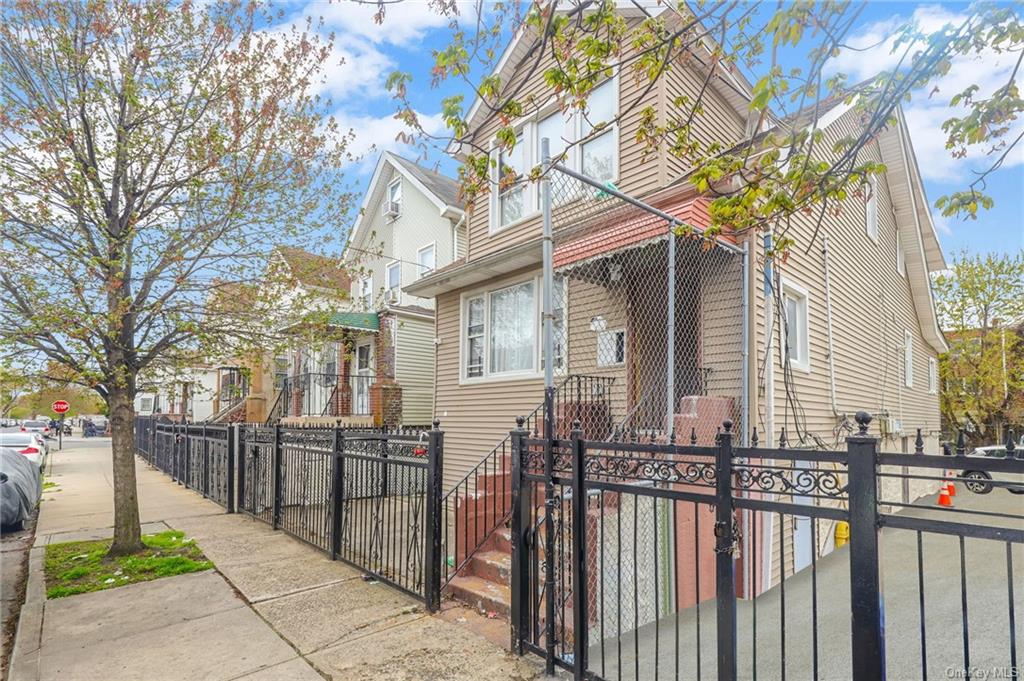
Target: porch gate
(648,560)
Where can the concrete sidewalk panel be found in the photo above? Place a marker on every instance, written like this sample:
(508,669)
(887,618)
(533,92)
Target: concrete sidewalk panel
(292,670)
(220,646)
(93,534)
(321,617)
(425,648)
(260,580)
(128,610)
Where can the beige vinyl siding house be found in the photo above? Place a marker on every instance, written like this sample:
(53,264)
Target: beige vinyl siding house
(477,414)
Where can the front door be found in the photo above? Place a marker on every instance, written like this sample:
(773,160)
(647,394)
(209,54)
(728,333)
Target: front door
(362,378)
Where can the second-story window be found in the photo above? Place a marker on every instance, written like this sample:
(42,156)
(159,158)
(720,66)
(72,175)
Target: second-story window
(426,260)
(600,160)
(393,205)
(871,208)
(365,292)
(908,359)
(512,191)
(394,280)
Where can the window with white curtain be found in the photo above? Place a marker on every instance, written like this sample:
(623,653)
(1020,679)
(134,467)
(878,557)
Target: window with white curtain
(512,329)
(500,332)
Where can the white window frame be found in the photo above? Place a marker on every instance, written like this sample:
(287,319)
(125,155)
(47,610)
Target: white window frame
(488,376)
(364,291)
(420,272)
(397,288)
(871,210)
(388,199)
(803,342)
(527,127)
(933,375)
(908,359)
(146,404)
(625,348)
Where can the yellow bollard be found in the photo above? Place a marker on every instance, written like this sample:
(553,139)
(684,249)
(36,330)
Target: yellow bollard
(842,533)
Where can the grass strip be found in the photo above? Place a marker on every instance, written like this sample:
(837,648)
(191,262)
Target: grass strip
(83,566)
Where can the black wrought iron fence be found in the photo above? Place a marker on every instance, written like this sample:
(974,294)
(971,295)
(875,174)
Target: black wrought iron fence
(371,499)
(647,560)
(199,456)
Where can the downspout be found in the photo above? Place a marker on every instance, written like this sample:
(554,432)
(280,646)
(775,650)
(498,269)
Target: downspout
(828,329)
(670,319)
(769,399)
(745,409)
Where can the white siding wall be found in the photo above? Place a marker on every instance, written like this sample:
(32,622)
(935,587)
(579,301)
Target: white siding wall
(419,224)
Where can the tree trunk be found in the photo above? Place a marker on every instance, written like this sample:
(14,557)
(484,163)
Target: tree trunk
(127,532)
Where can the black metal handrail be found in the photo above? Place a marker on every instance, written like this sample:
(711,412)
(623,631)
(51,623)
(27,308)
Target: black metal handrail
(496,507)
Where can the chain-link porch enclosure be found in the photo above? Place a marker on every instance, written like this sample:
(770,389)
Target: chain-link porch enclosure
(624,274)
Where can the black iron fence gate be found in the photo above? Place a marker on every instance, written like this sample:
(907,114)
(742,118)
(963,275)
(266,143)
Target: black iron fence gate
(653,560)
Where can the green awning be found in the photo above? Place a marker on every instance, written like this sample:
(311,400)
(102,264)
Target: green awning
(356,320)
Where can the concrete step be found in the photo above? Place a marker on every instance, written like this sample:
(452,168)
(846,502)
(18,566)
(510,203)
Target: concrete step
(483,595)
(494,566)
(500,540)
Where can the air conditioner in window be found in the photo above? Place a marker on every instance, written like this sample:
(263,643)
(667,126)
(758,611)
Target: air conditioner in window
(391,295)
(391,209)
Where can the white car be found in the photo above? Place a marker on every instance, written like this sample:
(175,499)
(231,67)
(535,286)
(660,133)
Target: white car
(980,482)
(41,427)
(28,445)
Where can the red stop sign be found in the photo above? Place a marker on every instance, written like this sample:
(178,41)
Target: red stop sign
(60,406)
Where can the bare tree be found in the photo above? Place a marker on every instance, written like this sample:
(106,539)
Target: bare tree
(152,153)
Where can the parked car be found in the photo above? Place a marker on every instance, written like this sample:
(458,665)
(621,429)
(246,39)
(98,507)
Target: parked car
(29,445)
(41,427)
(980,482)
(21,486)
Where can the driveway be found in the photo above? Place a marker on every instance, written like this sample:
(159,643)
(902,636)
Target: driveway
(987,607)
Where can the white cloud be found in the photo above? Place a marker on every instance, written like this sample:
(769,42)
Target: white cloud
(404,23)
(927,110)
(373,135)
(942,224)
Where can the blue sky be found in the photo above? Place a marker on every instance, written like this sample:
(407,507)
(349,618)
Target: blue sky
(367,52)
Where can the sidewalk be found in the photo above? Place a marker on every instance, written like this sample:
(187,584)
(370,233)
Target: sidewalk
(273,610)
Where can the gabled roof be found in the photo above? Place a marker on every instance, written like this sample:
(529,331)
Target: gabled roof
(441,186)
(732,86)
(439,189)
(314,270)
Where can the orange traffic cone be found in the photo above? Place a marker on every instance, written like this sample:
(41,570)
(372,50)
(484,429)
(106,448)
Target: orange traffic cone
(951,486)
(944,499)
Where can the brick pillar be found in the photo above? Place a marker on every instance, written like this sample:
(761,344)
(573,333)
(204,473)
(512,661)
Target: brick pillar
(342,403)
(386,393)
(296,396)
